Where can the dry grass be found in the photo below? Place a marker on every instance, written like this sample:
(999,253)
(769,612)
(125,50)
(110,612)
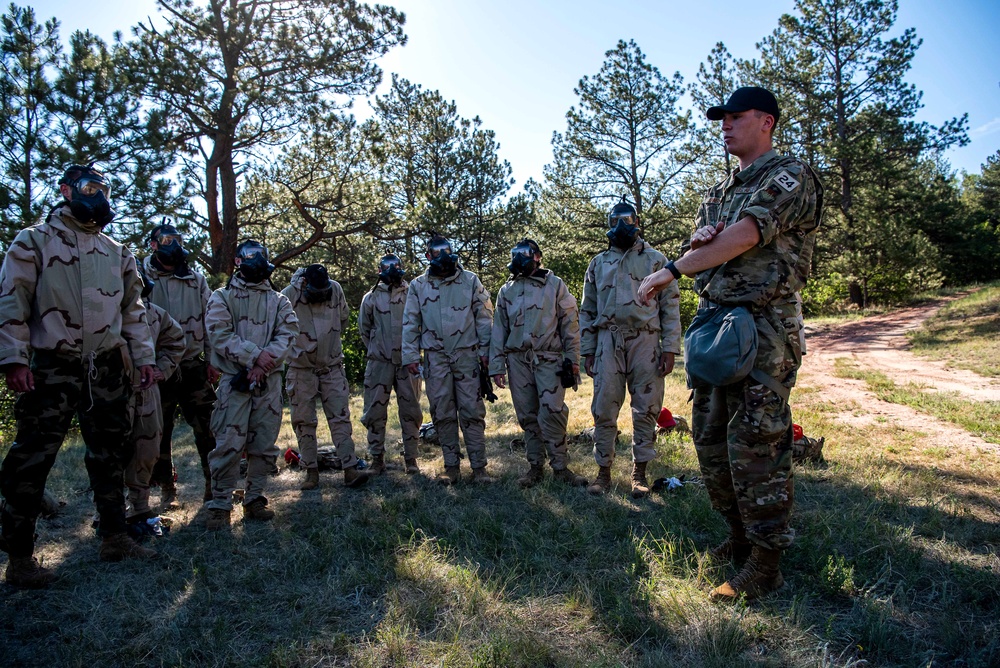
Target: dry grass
(965,333)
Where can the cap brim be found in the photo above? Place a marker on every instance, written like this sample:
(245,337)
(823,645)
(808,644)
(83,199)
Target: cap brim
(716,113)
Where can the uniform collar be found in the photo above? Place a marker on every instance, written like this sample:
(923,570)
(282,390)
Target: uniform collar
(742,176)
(62,213)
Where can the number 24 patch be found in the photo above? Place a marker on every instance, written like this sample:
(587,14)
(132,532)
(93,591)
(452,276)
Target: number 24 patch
(786,181)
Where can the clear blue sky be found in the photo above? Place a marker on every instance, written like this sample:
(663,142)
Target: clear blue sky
(514,63)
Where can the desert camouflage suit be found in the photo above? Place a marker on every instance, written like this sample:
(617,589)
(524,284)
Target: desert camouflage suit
(450,319)
(316,369)
(381,325)
(147,422)
(627,339)
(70,296)
(185,298)
(535,327)
(743,432)
(243,319)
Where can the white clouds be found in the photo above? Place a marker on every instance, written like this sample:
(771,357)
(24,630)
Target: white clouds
(986,129)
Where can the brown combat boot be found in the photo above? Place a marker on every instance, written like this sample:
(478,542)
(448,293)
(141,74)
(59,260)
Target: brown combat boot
(736,547)
(602,484)
(121,546)
(258,510)
(217,519)
(378,464)
(354,478)
(312,479)
(759,576)
(567,476)
(450,476)
(27,573)
(168,496)
(640,488)
(208,490)
(532,477)
(481,477)
(411,467)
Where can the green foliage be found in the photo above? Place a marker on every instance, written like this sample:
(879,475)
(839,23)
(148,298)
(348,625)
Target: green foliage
(354,352)
(827,293)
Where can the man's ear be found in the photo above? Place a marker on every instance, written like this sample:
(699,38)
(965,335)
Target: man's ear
(66,191)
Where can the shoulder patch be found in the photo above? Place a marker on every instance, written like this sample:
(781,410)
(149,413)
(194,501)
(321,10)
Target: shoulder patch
(786,181)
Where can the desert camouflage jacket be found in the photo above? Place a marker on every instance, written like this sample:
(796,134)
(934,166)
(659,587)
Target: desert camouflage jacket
(609,297)
(168,338)
(535,313)
(245,318)
(381,322)
(318,344)
(446,315)
(67,288)
(186,300)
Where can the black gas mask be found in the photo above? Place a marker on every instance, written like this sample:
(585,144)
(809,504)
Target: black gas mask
(623,225)
(522,258)
(443,261)
(390,271)
(316,286)
(169,246)
(254,266)
(91,198)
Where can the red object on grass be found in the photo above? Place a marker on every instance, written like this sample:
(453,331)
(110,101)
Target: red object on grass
(796,432)
(666,419)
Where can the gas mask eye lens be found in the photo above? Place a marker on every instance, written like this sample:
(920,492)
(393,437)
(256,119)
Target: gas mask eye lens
(90,187)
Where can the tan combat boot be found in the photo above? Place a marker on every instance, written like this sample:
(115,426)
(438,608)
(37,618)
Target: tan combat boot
(27,573)
(378,464)
(411,467)
(640,487)
(354,478)
(121,546)
(450,476)
(532,477)
(602,484)
(168,496)
(217,519)
(759,576)
(258,510)
(567,476)
(481,477)
(312,479)
(736,547)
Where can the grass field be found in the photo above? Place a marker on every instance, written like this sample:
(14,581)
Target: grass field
(895,564)
(965,333)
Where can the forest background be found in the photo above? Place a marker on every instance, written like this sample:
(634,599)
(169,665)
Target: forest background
(267,120)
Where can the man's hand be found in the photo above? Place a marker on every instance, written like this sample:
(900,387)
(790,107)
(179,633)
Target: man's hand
(158,375)
(666,364)
(588,365)
(265,361)
(146,379)
(653,284)
(484,359)
(500,380)
(414,368)
(704,235)
(20,378)
(213,374)
(256,375)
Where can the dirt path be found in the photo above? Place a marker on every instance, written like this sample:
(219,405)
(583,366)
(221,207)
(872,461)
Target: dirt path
(879,343)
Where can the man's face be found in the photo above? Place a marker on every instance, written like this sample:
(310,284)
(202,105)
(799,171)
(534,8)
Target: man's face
(165,240)
(744,132)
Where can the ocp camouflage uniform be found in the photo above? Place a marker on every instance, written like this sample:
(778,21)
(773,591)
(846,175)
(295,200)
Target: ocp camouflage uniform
(147,422)
(70,295)
(536,327)
(242,320)
(381,325)
(316,369)
(627,339)
(185,298)
(451,319)
(743,432)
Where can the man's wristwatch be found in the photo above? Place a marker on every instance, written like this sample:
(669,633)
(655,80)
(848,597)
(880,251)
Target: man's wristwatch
(672,268)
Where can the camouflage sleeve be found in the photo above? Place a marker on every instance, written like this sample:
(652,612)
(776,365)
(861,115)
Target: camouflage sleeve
(366,319)
(569,323)
(588,313)
(412,326)
(699,222)
(501,329)
(286,329)
(781,199)
(18,278)
(206,292)
(223,338)
(482,311)
(135,330)
(669,302)
(170,344)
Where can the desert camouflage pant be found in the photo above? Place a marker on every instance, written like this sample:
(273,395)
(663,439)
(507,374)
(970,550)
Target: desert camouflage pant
(538,397)
(244,422)
(99,394)
(452,386)
(188,388)
(626,359)
(147,429)
(330,386)
(743,437)
(381,378)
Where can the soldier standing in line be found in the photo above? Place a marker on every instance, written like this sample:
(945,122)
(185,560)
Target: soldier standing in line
(449,317)
(251,329)
(753,243)
(316,369)
(147,424)
(626,344)
(183,293)
(536,337)
(381,325)
(70,315)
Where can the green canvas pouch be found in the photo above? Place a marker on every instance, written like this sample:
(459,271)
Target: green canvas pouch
(720,346)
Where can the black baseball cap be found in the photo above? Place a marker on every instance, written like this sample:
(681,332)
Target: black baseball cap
(745,99)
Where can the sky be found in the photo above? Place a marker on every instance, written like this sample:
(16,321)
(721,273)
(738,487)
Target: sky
(515,63)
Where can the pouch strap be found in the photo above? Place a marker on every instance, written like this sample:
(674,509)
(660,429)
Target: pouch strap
(770,383)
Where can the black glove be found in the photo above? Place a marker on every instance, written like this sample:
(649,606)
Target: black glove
(566,376)
(486,384)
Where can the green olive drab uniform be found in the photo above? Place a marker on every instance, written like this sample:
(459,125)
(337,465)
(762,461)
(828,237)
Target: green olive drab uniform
(381,325)
(316,370)
(244,319)
(71,296)
(450,319)
(627,339)
(743,432)
(535,328)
